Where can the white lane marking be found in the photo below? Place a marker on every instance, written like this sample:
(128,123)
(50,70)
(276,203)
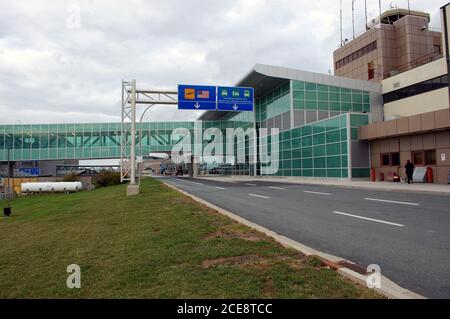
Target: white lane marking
(280,188)
(317,193)
(371,219)
(248,184)
(260,196)
(219,187)
(189,181)
(391,201)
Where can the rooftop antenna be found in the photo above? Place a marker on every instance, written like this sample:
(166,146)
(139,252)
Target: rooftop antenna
(409,7)
(365,10)
(353,17)
(342,41)
(379,4)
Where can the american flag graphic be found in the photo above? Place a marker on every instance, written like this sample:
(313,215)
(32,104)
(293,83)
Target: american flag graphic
(203,94)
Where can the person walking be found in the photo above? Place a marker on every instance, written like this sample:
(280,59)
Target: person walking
(409,169)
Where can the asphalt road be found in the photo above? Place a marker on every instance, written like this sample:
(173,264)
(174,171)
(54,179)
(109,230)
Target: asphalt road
(406,234)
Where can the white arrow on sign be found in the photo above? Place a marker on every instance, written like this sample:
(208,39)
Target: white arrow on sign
(235,107)
(197,105)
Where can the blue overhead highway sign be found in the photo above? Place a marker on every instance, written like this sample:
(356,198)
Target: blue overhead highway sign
(197,97)
(235,99)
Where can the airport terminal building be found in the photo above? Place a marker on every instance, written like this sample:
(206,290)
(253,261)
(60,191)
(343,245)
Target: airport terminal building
(317,116)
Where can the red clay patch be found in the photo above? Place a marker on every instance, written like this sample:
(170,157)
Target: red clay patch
(247,260)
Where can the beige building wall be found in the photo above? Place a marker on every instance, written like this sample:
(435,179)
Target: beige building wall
(438,141)
(418,104)
(422,73)
(400,46)
(358,68)
(424,132)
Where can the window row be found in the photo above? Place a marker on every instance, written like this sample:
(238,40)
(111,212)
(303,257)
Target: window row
(416,89)
(356,55)
(419,158)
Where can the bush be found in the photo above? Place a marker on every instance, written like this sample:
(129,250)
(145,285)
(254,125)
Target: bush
(71,177)
(105,179)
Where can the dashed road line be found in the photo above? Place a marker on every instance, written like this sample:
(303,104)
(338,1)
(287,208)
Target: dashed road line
(274,187)
(370,219)
(317,193)
(391,201)
(260,196)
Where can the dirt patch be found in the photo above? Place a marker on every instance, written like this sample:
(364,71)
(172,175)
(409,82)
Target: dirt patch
(183,200)
(247,260)
(236,231)
(231,235)
(269,290)
(295,263)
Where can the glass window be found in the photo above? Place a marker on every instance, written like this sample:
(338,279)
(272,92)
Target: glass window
(323,115)
(417,158)
(322,96)
(319,150)
(416,89)
(297,85)
(311,116)
(311,86)
(299,95)
(430,157)
(385,160)
(319,139)
(299,104)
(334,162)
(311,95)
(395,159)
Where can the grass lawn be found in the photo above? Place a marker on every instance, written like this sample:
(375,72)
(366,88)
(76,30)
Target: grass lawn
(159,244)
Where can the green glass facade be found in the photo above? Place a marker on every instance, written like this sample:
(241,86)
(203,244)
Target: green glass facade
(318,127)
(320,149)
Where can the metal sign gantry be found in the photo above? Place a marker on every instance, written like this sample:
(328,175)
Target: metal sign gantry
(130,98)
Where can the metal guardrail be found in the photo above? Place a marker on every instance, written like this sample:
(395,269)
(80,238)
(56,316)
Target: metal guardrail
(413,64)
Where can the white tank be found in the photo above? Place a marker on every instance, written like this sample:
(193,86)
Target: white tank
(49,187)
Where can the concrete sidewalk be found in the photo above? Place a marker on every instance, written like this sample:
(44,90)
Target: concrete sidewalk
(386,186)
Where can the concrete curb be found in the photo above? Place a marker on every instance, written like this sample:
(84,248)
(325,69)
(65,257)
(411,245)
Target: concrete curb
(305,182)
(388,288)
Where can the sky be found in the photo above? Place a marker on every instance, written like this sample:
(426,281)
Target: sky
(62,61)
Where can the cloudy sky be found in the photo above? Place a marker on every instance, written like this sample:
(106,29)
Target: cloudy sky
(63,60)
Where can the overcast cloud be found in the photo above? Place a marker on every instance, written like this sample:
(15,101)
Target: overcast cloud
(57,68)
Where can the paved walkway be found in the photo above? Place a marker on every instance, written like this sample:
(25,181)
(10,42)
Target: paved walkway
(387,186)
